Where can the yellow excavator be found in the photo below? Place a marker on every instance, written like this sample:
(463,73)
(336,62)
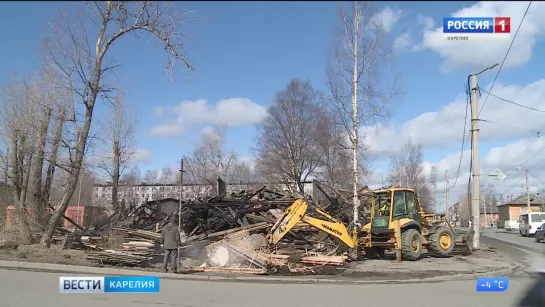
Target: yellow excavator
(397,222)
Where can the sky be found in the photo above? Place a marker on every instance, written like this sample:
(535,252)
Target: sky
(245,52)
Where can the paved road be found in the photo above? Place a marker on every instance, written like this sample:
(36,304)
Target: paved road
(515,239)
(41,289)
(18,288)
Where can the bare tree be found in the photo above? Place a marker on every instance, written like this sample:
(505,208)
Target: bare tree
(286,144)
(119,135)
(210,158)
(407,170)
(359,92)
(86,66)
(332,149)
(167,176)
(151,176)
(4,165)
(19,113)
(432,181)
(132,177)
(241,173)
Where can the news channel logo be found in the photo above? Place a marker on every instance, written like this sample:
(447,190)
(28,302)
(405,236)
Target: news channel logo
(474,29)
(492,284)
(109,284)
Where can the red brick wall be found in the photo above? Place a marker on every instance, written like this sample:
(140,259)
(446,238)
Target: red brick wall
(490,219)
(83,215)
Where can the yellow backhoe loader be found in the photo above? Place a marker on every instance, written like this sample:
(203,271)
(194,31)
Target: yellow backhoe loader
(397,222)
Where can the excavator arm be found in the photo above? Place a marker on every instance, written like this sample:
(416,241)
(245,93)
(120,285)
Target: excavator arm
(300,210)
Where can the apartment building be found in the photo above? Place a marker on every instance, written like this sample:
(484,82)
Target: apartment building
(138,194)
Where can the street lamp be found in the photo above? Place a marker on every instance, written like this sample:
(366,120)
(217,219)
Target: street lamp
(488,68)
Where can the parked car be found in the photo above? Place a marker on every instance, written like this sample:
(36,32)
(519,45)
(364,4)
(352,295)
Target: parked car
(540,233)
(511,225)
(529,222)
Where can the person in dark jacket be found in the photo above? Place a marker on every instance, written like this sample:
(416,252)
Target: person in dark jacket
(170,238)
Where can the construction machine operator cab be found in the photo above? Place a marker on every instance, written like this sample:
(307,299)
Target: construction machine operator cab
(381,214)
(394,204)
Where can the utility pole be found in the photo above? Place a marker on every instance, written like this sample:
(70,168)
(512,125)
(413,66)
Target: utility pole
(527,192)
(180,206)
(446,191)
(485,217)
(476,192)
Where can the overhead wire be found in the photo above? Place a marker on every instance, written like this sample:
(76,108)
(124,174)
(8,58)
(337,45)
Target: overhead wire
(490,45)
(512,102)
(463,141)
(520,166)
(510,126)
(535,177)
(504,58)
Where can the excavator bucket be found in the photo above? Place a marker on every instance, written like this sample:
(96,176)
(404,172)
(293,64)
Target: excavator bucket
(464,243)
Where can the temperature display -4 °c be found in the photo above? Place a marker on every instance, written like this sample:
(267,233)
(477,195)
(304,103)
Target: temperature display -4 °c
(492,284)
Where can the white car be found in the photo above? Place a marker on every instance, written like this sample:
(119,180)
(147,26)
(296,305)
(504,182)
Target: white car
(529,222)
(511,225)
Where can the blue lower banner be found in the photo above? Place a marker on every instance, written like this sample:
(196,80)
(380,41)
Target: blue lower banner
(110,284)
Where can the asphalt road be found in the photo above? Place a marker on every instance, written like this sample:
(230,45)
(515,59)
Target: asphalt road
(19,288)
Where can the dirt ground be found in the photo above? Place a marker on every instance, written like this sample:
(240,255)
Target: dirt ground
(41,254)
(481,261)
(484,260)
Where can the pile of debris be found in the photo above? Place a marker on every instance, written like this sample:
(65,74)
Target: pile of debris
(210,226)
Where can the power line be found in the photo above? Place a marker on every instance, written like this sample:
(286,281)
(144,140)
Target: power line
(510,126)
(512,102)
(463,141)
(536,178)
(528,159)
(537,162)
(490,45)
(503,62)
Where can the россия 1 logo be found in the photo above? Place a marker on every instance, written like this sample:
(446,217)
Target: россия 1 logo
(473,29)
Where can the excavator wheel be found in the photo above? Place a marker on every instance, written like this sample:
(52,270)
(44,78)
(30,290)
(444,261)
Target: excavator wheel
(374,252)
(411,245)
(442,242)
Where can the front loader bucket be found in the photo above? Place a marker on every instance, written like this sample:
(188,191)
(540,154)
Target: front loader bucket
(464,243)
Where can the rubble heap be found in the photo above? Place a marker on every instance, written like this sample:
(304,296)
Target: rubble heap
(209,226)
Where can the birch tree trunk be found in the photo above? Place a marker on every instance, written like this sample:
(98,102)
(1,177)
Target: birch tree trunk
(355,127)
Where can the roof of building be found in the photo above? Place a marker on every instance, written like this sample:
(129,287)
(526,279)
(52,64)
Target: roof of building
(162,200)
(522,200)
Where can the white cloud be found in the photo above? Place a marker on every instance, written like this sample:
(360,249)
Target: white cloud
(445,126)
(207,130)
(168,129)
(425,22)
(158,111)
(231,112)
(403,41)
(387,17)
(462,55)
(140,156)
